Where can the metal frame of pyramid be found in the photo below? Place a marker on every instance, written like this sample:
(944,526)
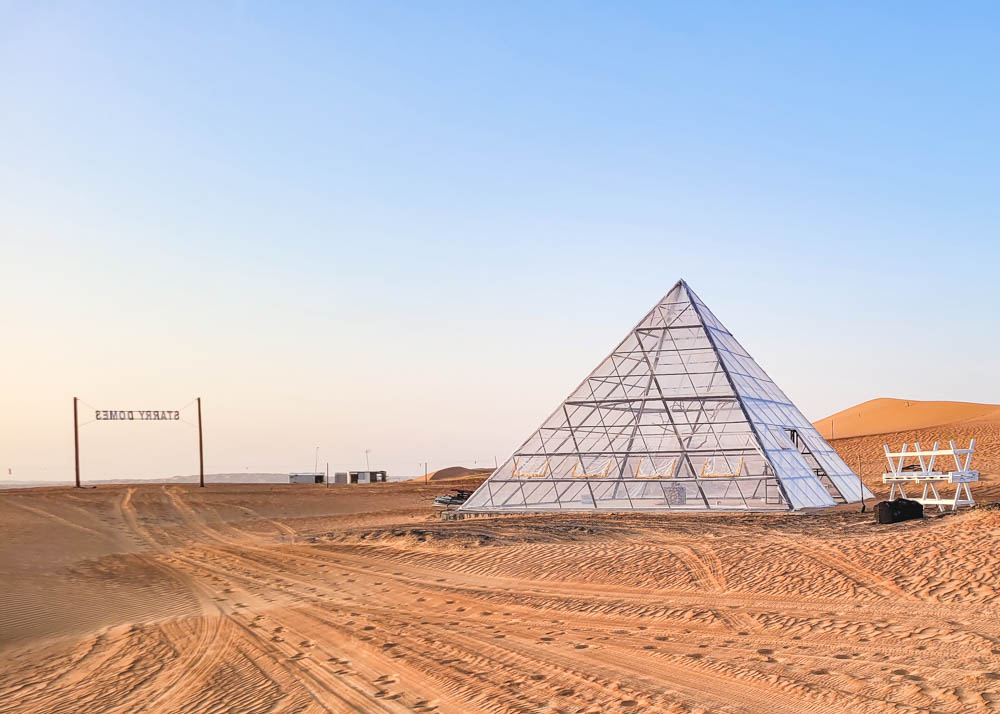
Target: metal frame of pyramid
(677,418)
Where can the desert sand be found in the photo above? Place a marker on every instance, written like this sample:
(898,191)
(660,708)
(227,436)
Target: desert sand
(884,416)
(895,421)
(277,598)
(453,473)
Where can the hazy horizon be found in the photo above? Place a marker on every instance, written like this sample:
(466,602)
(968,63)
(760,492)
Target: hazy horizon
(413,230)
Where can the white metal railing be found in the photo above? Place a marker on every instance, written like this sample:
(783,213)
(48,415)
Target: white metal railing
(900,474)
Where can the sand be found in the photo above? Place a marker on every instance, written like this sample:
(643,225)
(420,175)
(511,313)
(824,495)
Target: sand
(882,416)
(277,598)
(453,473)
(923,422)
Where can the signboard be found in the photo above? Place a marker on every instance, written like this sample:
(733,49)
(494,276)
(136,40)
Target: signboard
(136,415)
(119,415)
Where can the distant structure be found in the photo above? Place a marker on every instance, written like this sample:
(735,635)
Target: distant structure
(367,476)
(923,474)
(340,477)
(306,477)
(677,417)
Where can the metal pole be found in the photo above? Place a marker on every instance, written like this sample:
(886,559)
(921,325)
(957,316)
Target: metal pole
(861,486)
(201,451)
(328,474)
(425,473)
(76,442)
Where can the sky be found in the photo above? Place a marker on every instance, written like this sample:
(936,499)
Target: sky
(413,228)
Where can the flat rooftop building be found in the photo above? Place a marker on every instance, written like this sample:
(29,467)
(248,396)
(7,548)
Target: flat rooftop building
(306,477)
(367,476)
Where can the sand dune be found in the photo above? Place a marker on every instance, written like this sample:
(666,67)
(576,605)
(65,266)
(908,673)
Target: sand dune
(454,473)
(883,416)
(264,598)
(923,422)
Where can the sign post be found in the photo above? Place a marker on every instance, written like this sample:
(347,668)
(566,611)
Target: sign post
(201,451)
(76,441)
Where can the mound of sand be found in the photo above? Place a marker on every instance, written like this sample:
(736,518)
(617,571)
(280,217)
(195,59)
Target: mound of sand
(257,598)
(454,473)
(885,416)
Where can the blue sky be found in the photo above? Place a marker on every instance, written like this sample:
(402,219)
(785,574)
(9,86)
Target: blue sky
(415,227)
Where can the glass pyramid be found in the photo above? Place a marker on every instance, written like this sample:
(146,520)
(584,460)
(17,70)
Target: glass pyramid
(677,417)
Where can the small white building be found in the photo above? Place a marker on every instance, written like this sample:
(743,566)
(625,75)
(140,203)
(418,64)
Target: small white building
(367,476)
(306,477)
